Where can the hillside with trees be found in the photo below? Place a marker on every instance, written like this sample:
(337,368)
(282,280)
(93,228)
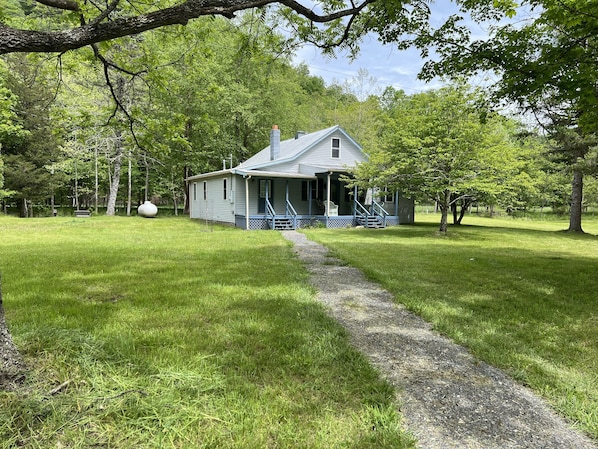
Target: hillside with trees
(99,118)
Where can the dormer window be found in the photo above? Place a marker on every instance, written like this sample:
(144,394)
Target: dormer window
(336,148)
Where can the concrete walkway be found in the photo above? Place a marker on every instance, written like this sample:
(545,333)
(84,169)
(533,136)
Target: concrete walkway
(448,398)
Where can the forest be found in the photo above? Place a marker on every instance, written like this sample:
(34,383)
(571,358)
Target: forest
(107,126)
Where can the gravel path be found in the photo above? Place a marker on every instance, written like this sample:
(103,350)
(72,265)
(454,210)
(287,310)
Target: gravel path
(448,398)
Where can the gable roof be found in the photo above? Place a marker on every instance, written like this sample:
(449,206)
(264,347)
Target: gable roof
(291,149)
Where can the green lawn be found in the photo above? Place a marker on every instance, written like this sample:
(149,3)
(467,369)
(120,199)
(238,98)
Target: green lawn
(170,336)
(520,294)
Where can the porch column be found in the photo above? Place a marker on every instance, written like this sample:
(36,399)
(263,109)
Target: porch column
(309,198)
(286,197)
(397,206)
(247,178)
(327,208)
(355,200)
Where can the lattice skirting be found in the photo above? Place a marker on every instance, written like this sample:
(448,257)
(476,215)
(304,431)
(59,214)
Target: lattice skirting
(259,222)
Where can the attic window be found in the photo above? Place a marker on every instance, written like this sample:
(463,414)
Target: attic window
(336,148)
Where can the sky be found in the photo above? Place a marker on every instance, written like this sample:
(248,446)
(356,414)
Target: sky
(385,63)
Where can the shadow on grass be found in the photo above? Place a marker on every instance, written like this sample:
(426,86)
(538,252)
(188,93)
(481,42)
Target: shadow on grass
(521,299)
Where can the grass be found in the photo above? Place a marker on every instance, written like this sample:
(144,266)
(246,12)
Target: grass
(155,333)
(519,293)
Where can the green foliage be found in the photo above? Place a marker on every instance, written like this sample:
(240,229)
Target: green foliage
(172,336)
(28,143)
(545,62)
(440,146)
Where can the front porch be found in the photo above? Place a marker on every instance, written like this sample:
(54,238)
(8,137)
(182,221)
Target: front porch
(321,200)
(374,216)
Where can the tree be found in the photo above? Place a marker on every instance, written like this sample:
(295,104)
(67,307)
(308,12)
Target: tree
(11,127)
(27,154)
(439,144)
(546,64)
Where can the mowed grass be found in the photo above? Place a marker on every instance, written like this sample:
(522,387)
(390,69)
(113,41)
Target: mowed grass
(520,294)
(154,333)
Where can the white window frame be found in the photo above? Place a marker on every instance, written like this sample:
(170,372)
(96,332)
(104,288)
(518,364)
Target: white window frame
(335,148)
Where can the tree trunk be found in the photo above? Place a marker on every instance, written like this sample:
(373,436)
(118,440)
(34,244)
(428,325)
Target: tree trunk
(147,172)
(455,214)
(465,204)
(576,201)
(129,186)
(186,174)
(24,209)
(111,208)
(444,203)
(12,367)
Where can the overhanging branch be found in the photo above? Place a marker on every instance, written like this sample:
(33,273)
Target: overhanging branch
(17,40)
(69,5)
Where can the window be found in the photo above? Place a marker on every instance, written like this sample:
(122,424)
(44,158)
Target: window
(336,148)
(265,188)
(304,190)
(205,190)
(194,191)
(224,188)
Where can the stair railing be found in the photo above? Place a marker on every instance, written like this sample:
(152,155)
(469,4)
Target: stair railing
(270,214)
(379,211)
(291,212)
(360,211)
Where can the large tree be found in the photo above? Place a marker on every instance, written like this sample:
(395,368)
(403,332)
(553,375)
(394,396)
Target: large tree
(441,146)
(545,62)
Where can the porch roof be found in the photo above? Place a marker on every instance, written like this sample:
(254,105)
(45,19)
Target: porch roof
(250,173)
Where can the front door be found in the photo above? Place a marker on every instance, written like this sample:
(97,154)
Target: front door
(265,191)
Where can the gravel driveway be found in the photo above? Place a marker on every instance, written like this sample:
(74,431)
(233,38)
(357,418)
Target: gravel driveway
(448,398)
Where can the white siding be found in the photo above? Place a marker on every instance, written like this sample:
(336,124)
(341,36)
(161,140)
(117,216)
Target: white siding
(214,207)
(321,155)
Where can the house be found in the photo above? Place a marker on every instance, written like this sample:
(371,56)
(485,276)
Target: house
(292,184)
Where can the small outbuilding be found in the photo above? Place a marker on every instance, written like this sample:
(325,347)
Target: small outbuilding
(295,183)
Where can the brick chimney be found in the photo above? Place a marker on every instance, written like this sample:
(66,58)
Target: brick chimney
(274,142)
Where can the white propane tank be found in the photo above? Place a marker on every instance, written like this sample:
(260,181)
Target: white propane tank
(147,209)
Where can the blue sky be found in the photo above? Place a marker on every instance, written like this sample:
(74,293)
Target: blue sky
(385,63)
(389,66)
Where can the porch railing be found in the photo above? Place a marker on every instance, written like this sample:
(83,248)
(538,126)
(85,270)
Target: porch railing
(360,210)
(270,213)
(291,212)
(375,213)
(378,210)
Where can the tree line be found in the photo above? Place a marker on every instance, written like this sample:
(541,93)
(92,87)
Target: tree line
(123,119)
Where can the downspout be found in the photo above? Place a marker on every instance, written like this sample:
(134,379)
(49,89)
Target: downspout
(327,208)
(247,178)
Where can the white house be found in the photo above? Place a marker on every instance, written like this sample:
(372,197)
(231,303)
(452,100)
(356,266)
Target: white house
(292,184)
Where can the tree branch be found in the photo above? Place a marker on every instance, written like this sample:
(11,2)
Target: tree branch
(18,40)
(69,5)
